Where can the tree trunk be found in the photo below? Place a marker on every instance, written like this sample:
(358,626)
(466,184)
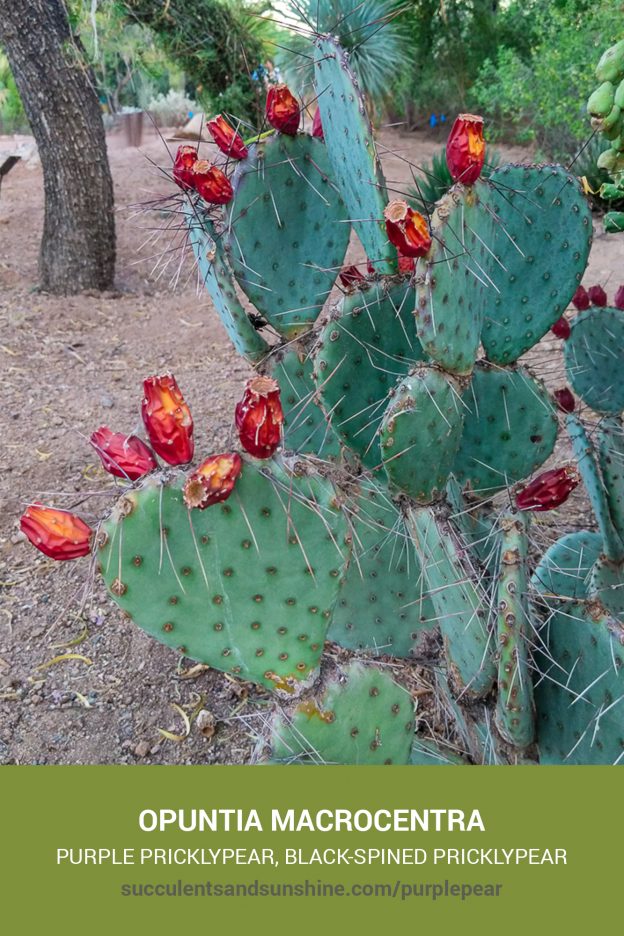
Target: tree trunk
(58,91)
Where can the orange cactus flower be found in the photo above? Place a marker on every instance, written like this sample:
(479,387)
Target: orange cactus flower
(58,534)
(168,420)
(121,455)
(226,138)
(282,109)
(465,149)
(183,165)
(213,481)
(211,183)
(259,417)
(407,229)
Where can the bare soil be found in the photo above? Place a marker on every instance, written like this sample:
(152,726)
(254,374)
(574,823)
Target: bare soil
(69,365)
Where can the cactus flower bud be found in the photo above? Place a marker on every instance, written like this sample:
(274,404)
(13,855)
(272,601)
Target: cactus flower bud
(407,229)
(211,183)
(561,328)
(317,126)
(168,420)
(580,299)
(259,417)
(226,138)
(618,301)
(56,533)
(465,149)
(549,490)
(597,295)
(282,109)
(121,455)
(183,166)
(565,400)
(213,481)
(351,276)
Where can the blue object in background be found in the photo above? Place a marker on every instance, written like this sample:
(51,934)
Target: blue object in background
(433,121)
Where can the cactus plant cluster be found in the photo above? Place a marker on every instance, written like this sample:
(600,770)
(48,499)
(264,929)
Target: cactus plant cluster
(382,500)
(606,109)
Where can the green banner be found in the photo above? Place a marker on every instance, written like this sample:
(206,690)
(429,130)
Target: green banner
(85,849)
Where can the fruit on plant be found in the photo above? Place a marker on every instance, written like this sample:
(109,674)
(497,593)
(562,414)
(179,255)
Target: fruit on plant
(407,229)
(561,328)
(580,299)
(565,400)
(185,159)
(259,417)
(211,183)
(549,490)
(58,534)
(282,109)
(121,455)
(227,139)
(317,125)
(465,149)
(213,481)
(618,301)
(597,295)
(167,419)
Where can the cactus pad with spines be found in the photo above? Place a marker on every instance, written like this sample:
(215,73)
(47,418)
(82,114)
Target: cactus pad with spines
(543,237)
(593,358)
(510,429)
(365,344)
(246,586)
(362,717)
(564,569)
(580,693)
(352,151)
(382,606)
(610,444)
(454,281)
(607,584)
(287,230)
(426,405)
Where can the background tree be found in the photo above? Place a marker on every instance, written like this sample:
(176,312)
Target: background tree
(61,103)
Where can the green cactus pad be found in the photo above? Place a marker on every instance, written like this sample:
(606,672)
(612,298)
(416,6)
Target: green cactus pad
(382,606)
(421,433)
(352,151)
(219,282)
(458,591)
(306,429)
(542,241)
(287,230)
(610,444)
(367,342)
(475,525)
(593,358)
(515,710)
(454,281)
(246,586)
(587,462)
(607,584)
(580,693)
(564,569)
(362,717)
(510,429)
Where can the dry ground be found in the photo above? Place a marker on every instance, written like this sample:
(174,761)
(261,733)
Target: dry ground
(69,365)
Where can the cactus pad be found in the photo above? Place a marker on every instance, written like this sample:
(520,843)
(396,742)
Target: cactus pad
(246,586)
(564,569)
(580,694)
(367,342)
(607,584)
(362,717)
(421,433)
(382,606)
(610,443)
(542,241)
(593,358)
(454,281)
(352,152)
(287,230)
(510,429)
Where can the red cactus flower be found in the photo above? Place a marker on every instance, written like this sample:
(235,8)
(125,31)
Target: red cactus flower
(317,126)
(259,417)
(121,455)
(549,490)
(183,166)
(597,295)
(56,533)
(351,276)
(211,183)
(282,109)
(565,400)
(213,481)
(407,229)
(226,138)
(168,420)
(465,149)
(580,299)
(618,301)
(561,328)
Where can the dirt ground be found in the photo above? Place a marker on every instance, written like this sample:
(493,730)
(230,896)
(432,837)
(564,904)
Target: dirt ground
(69,365)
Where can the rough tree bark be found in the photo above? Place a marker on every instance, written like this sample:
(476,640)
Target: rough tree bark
(61,103)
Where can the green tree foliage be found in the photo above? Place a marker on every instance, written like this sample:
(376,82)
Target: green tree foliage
(213,42)
(12,116)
